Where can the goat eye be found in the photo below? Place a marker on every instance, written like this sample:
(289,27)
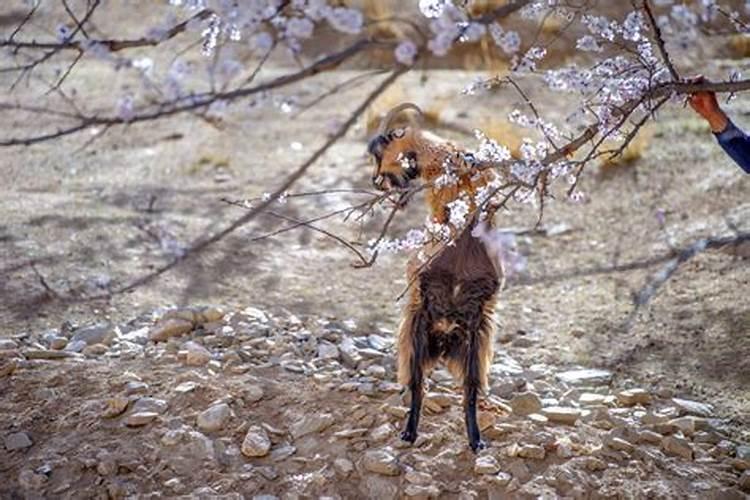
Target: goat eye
(398,133)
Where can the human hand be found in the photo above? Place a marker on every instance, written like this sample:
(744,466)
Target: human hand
(705,104)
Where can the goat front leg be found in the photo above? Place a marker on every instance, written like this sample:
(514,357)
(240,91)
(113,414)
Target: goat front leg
(417,355)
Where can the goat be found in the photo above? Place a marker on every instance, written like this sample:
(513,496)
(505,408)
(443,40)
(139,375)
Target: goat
(449,314)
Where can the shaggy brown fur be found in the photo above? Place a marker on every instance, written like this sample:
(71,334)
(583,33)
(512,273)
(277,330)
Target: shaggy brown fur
(449,317)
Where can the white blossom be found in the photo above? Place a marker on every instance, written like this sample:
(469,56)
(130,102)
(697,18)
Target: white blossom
(405,52)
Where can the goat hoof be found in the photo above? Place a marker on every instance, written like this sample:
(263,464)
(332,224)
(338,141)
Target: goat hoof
(477,445)
(409,436)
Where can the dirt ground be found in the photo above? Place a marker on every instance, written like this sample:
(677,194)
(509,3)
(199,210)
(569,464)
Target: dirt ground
(92,216)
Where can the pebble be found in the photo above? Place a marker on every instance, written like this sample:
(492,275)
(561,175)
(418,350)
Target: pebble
(562,414)
(252,393)
(196,354)
(744,481)
(533,451)
(141,418)
(30,480)
(76,346)
(149,404)
(486,464)
(382,432)
(327,350)
(651,437)
(381,462)
(58,343)
(350,354)
(502,479)
(632,397)
(17,441)
(171,327)
(214,418)
(48,354)
(418,478)
(620,444)
(426,492)
(675,445)
(96,334)
(526,403)
(95,350)
(311,423)
(8,344)
(256,442)
(693,407)
(586,377)
(343,466)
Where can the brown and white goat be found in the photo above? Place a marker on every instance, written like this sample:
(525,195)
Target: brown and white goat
(449,316)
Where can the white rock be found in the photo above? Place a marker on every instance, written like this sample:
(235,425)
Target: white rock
(311,423)
(256,442)
(562,414)
(486,464)
(693,407)
(526,403)
(632,397)
(326,350)
(343,466)
(17,441)
(586,377)
(381,462)
(214,418)
(197,355)
(141,418)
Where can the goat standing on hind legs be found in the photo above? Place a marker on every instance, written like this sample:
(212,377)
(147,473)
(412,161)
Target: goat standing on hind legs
(452,296)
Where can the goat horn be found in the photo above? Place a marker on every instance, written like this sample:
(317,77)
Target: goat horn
(387,119)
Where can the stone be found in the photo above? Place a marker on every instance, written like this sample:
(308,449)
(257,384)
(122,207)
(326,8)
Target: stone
(742,452)
(140,418)
(135,387)
(115,406)
(8,345)
(214,418)
(97,334)
(744,481)
(58,343)
(343,466)
(76,346)
(17,441)
(620,444)
(48,354)
(379,342)
(327,350)
(502,479)
(8,368)
(486,464)
(252,393)
(381,462)
(311,423)
(632,397)
(95,350)
(422,492)
(526,403)
(209,314)
(382,432)
(30,480)
(376,371)
(586,377)
(685,424)
(562,414)
(419,478)
(149,404)
(592,399)
(485,420)
(533,451)
(196,354)
(172,327)
(675,445)
(651,437)
(693,407)
(256,442)
(350,354)
(377,487)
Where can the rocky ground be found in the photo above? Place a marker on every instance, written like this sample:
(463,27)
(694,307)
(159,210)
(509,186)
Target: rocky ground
(203,403)
(287,390)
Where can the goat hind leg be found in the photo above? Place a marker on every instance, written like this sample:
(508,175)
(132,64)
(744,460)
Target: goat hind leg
(418,357)
(472,384)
